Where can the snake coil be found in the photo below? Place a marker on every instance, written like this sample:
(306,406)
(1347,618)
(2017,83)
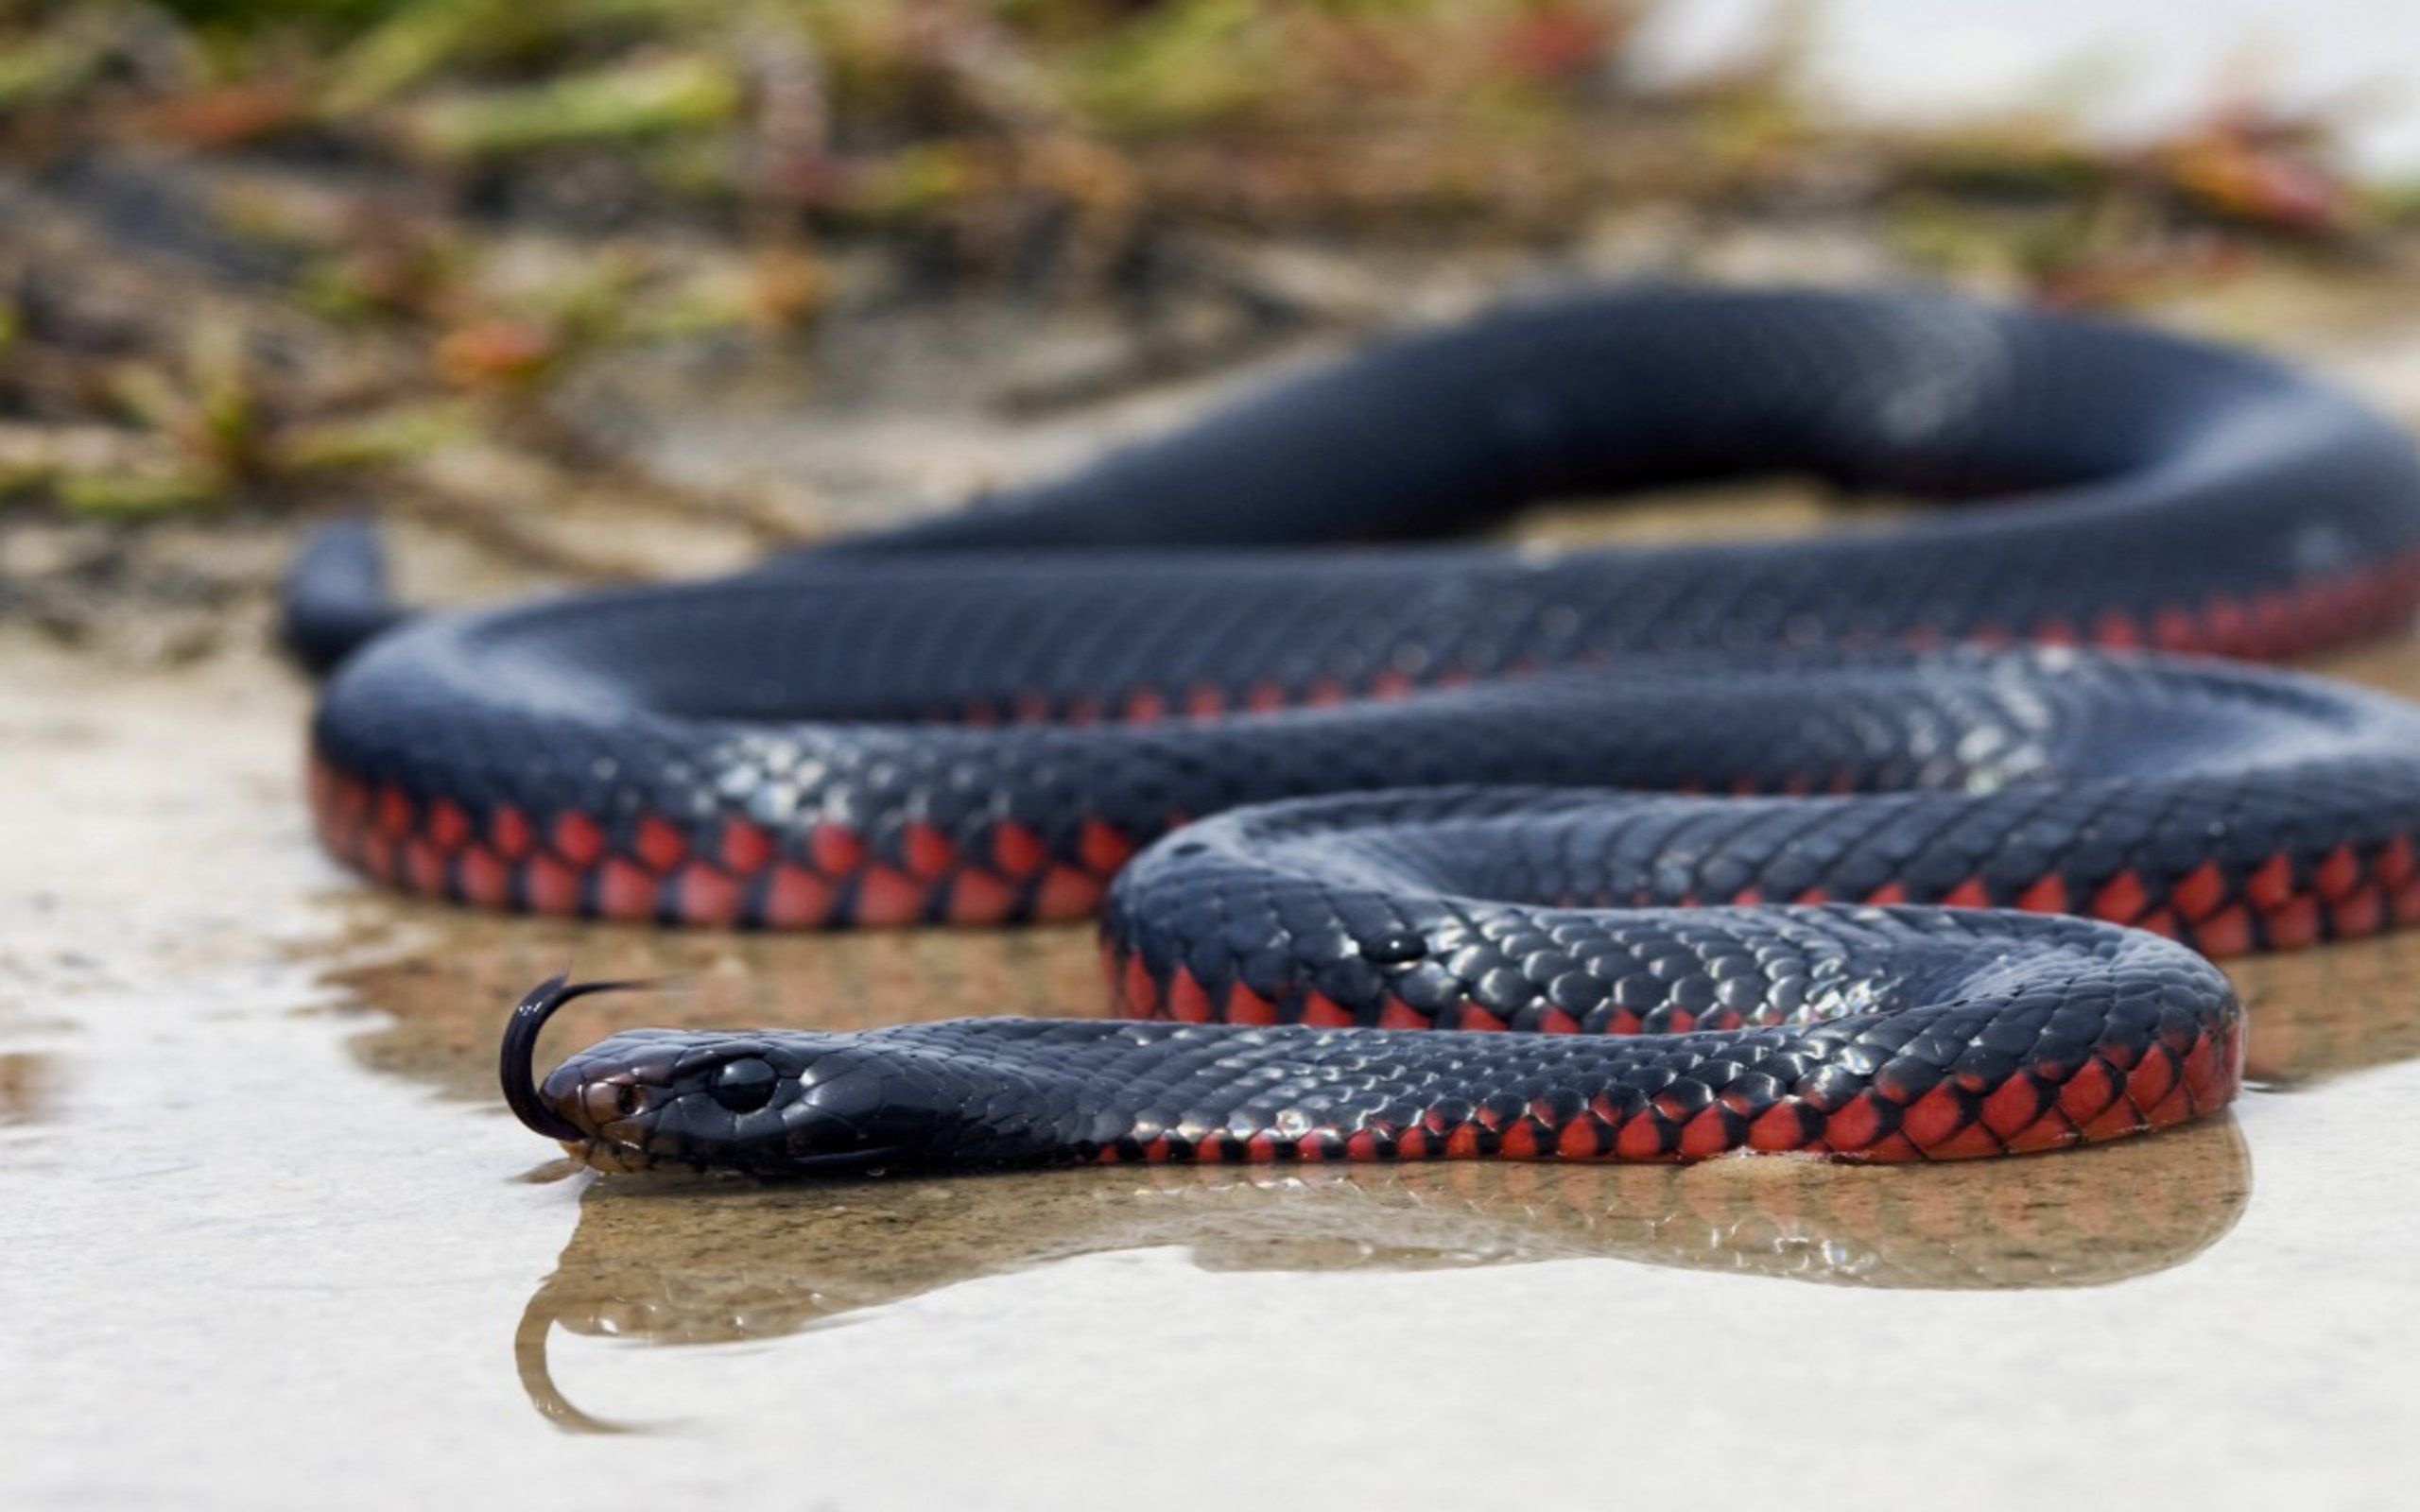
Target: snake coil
(1751,846)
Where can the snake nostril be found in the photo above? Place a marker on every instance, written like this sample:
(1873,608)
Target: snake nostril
(744,1086)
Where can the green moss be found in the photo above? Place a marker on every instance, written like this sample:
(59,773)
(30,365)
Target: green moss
(121,496)
(1180,65)
(46,67)
(632,103)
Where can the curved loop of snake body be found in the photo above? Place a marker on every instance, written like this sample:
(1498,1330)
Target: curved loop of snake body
(1704,804)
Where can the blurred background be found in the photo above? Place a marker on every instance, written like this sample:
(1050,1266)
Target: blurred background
(569,290)
(585,288)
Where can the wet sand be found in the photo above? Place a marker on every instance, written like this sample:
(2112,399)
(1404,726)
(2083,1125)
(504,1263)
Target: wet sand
(274,1242)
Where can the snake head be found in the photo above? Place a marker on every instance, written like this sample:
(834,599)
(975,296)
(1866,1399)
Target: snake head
(766,1103)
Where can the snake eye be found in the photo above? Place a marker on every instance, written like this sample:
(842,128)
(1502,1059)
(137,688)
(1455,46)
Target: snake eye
(744,1086)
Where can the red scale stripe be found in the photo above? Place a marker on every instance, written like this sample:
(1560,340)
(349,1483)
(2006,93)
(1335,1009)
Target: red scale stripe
(2392,866)
(1139,994)
(796,898)
(1244,1006)
(977,897)
(1974,1142)
(1318,1010)
(2198,893)
(549,886)
(835,850)
(2362,914)
(1971,893)
(2153,1079)
(576,838)
(1583,1139)
(1103,847)
(2293,923)
(1639,1137)
(706,895)
(423,866)
(392,813)
(1065,893)
(1859,1123)
(483,878)
(2271,884)
(1186,1001)
(1935,1118)
(1017,849)
(1779,1128)
(925,851)
(447,827)
(2337,874)
(511,830)
(2052,1131)
(2405,903)
(745,847)
(2014,1106)
(658,844)
(2047,895)
(887,898)
(625,891)
(2121,898)
(2225,932)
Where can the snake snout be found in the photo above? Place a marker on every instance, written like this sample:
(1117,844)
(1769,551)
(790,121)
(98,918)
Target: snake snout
(764,1105)
(541,1110)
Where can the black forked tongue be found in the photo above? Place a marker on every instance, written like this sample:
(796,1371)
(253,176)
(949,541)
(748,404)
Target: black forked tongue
(513,1063)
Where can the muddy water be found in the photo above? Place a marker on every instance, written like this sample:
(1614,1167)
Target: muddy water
(271,1242)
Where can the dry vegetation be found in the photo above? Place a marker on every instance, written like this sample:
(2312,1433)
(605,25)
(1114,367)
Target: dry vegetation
(259,257)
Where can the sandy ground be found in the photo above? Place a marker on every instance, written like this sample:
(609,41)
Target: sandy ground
(272,1242)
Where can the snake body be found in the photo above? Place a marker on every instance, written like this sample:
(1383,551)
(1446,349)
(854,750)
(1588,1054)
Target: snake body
(1703,803)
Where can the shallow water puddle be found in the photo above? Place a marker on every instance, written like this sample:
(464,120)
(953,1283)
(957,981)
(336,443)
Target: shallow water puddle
(260,1235)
